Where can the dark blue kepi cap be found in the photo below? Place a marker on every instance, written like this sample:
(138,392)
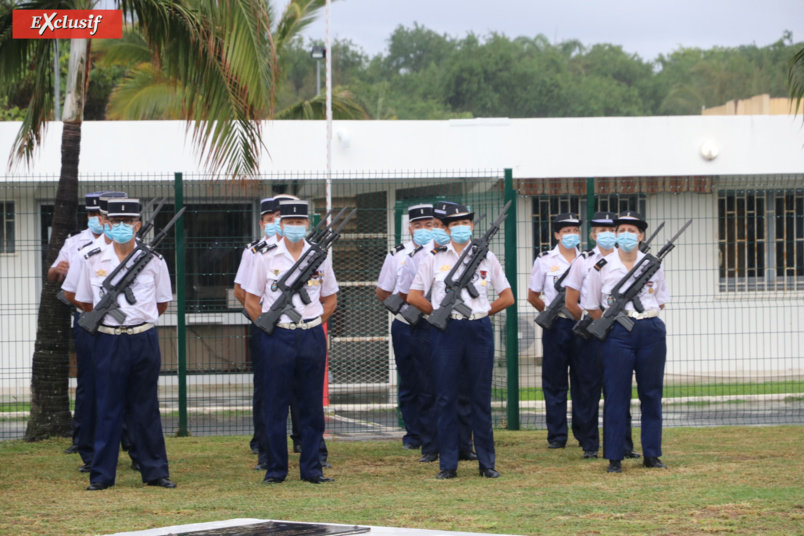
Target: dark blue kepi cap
(603,219)
(106,196)
(420,212)
(458,212)
(440,209)
(633,217)
(123,208)
(267,205)
(566,219)
(92,201)
(293,209)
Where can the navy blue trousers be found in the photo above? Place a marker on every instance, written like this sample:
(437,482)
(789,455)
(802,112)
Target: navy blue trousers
(84,416)
(408,376)
(293,366)
(561,351)
(466,345)
(422,353)
(258,399)
(643,351)
(295,434)
(126,376)
(587,383)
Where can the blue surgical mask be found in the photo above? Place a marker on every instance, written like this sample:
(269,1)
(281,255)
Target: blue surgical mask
(422,236)
(122,233)
(94,225)
(460,233)
(606,239)
(294,233)
(279,230)
(627,241)
(440,236)
(107,231)
(570,241)
(270,229)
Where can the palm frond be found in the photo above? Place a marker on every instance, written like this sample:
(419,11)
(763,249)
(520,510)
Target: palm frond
(795,78)
(132,49)
(144,94)
(344,106)
(297,16)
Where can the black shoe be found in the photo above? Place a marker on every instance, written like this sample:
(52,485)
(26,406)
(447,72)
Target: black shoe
(446,474)
(410,446)
(97,486)
(589,454)
(162,482)
(427,458)
(261,467)
(319,479)
(467,456)
(297,449)
(272,480)
(325,464)
(87,467)
(489,473)
(255,450)
(72,449)
(135,466)
(653,463)
(632,455)
(615,466)
(555,445)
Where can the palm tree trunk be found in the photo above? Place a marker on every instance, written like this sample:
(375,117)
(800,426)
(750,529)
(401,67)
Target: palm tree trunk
(50,404)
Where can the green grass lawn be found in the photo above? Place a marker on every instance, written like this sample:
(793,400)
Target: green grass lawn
(720,481)
(690,389)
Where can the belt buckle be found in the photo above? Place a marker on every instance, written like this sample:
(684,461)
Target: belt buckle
(302,324)
(119,330)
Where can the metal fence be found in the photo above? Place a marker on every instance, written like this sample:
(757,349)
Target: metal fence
(736,282)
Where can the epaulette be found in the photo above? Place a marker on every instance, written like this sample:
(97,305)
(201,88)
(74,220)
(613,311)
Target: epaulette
(157,255)
(415,251)
(70,235)
(588,253)
(543,253)
(600,264)
(268,248)
(252,244)
(91,253)
(397,249)
(439,249)
(85,244)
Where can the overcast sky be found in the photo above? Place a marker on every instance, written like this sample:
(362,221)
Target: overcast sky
(645,27)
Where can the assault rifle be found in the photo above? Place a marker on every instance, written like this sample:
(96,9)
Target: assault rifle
(307,264)
(581,328)
(648,265)
(545,318)
(146,227)
(108,304)
(473,254)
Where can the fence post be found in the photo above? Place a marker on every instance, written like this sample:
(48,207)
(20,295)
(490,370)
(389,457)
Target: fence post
(512,313)
(590,206)
(181,345)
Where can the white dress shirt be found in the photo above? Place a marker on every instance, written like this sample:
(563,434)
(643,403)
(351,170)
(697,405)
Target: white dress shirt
(436,265)
(392,267)
(547,270)
(269,267)
(600,282)
(77,265)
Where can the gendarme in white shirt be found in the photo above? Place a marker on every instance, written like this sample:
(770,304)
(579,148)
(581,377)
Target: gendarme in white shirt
(547,269)
(392,267)
(269,267)
(435,267)
(151,286)
(599,284)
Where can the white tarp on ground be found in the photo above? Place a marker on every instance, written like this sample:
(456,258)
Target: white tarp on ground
(375,531)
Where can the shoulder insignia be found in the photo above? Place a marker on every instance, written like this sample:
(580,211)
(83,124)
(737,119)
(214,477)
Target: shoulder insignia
(439,249)
(268,247)
(91,253)
(158,255)
(397,249)
(600,264)
(415,251)
(252,244)
(85,244)
(543,254)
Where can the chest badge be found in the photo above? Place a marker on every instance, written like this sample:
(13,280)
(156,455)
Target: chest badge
(554,268)
(276,271)
(446,268)
(650,287)
(101,273)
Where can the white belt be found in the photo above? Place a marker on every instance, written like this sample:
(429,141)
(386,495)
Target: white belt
(125,330)
(562,315)
(641,316)
(400,318)
(474,316)
(300,325)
